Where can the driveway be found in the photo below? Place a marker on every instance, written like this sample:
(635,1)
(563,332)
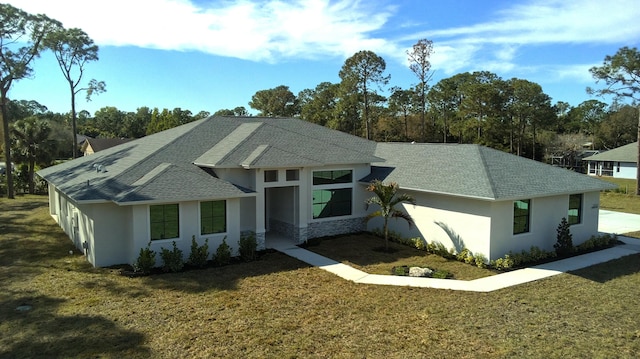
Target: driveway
(618,222)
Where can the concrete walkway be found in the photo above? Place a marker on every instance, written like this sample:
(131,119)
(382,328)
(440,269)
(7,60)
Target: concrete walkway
(610,222)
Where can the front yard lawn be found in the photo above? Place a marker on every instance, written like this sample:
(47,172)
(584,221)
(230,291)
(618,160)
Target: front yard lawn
(361,251)
(277,307)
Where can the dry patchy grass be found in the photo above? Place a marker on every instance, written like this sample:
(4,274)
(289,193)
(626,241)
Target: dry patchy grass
(278,307)
(362,251)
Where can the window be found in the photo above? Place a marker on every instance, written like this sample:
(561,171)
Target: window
(521,216)
(213,217)
(271,176)
(332,177)
(293,175)
(575,209)
(165,221)
(331,202)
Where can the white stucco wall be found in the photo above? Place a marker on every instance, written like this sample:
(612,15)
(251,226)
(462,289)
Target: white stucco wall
(112,228)
(454,222)
(486,227)
(626,170)
(189,226)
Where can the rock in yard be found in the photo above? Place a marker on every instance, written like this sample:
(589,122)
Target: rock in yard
(420,272)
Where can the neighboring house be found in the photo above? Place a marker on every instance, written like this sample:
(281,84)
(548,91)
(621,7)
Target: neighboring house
(222,177)
(621,162)
(93,145)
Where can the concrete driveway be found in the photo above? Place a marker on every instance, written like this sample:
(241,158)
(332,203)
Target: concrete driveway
(618,222)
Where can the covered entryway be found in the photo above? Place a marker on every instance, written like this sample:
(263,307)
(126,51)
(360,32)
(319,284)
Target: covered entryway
(282,217)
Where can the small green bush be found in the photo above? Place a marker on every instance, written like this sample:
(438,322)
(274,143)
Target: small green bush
(564,245)
(247,246)
(442,274)
(481,260)
(223,254)
(462,255)
(598,242)
(199,254)
(172,259)
(146,260)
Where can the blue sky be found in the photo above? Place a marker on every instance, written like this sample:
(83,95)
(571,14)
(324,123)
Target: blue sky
(208,55)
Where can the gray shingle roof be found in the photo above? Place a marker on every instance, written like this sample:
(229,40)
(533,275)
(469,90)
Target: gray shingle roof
(475,171)
(626,153)
(160,167)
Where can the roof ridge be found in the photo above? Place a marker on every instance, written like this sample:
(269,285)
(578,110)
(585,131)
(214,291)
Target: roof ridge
(239,135)
(485,167)
(149,155)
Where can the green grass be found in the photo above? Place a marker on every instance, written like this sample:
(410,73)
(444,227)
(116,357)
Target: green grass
(624,200)
(277,307)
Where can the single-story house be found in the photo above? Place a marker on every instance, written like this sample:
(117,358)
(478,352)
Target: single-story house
(93,145)
(621,162)
(222,177)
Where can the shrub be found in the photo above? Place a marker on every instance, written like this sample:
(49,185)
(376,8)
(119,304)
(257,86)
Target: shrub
(462,255)
(199,254)
(503,263)
(564,245)
(146,260)
(247,246)
(442,274)
(172,259)
(598,242)
(223,253)
(480,260)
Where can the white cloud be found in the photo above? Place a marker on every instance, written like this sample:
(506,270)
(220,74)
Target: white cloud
(253,30)
(495,44)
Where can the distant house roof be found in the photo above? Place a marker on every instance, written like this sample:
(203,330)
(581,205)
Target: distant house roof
(626,153)
(475,171)
(99,144)
(175,165)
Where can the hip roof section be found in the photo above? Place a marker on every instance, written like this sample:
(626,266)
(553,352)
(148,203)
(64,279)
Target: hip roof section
(475,171)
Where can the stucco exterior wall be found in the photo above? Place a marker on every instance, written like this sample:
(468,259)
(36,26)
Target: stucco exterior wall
(454,222)
(189,227)
(487,227)
(546,214)
(112,228)
(625,170)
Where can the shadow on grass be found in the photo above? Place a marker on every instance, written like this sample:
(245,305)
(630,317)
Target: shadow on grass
(611,270)
(40,333)
(222,278)
(361,249)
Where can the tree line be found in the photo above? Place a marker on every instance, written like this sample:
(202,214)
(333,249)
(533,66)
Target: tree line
(513,115)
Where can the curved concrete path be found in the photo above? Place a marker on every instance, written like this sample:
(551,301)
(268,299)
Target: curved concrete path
(610,222)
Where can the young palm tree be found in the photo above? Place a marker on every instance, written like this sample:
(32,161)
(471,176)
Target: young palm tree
(387,197)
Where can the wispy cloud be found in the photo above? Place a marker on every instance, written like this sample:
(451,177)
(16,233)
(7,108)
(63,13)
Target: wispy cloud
(254,30)
(495,44)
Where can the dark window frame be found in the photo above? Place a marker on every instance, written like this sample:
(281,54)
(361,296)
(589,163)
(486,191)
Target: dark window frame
(573,200)
(160,225)
(214,219)
(521,217)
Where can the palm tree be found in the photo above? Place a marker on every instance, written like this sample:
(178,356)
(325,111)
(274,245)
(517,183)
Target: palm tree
(31,138)
(387,197)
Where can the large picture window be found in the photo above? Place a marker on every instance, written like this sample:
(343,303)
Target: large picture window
(575,209)
(332,177)
(521,216)
(164,220)
(332,202)
(213,217)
